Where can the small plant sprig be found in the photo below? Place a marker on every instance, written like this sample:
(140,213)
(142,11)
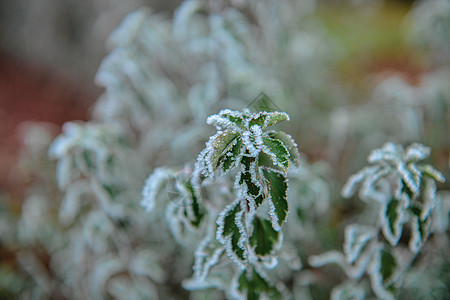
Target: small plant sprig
(405,190)
(247,230)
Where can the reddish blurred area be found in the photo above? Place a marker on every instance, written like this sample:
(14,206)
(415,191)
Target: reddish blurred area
(30,92)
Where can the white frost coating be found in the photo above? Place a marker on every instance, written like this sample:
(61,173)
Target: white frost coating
(221,220)
(428,169)
(321,260)
(268,120)
(226,240)
(417,152)
(249,144)
(272,210)
(152,186)
(242,231)
(378,155)
(204,261)
(370,188)
(253,140)
(204,164)
(237,179)
(221,122)
(350,186)
(273,156)
(411,182)
(356,237)
(273,216)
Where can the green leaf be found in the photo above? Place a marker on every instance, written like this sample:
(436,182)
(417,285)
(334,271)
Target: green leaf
(221,144)
(252,190)
(197,209)
(230,157)
(256,286)
(276,117)
(392,219)
(264,237)
(262,102)
(228,232)
(289,143)
(388,265)
(264,160)
(277,186)
(277,151)
(236,117)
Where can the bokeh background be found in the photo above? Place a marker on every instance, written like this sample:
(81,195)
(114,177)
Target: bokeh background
(50,51)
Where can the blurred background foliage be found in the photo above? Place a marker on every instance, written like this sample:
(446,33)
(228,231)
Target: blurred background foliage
(369,72)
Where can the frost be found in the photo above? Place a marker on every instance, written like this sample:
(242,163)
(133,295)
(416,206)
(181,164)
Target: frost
(152,186)
(356,238)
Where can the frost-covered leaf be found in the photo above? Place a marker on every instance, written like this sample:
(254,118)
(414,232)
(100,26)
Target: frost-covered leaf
(264,238)
(375,187)
(382,271)
(231,232)
(356,238)
(355,180)
(420,229)
(417,152)
(275,117)
(430,171)
(231,156)
(392,217)
(218,145)
(152,187)
(289,143)
(410,178)
(221,143)
(277,186)
(228,119)
(253,140)
(198,211)
(265,119)
(255,286)
(250,185)
(277,151)
(206,256)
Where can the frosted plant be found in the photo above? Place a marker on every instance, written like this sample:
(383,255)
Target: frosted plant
(223,215)
(405,192)
(247,233)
